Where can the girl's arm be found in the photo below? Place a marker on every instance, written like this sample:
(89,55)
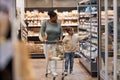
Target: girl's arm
(79,38)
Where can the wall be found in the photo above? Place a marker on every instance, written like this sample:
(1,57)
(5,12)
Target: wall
(51,3)
(56,3)
(65,3)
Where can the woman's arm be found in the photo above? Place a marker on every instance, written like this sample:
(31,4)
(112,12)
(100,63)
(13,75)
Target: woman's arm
(61,33)
(42,31)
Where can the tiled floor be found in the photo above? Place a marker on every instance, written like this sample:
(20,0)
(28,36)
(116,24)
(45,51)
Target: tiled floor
(78,74)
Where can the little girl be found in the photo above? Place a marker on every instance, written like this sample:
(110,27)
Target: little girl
(71,45)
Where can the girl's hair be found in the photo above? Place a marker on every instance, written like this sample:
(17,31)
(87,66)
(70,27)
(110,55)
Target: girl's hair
(5,10)
(52,14)
(69,29)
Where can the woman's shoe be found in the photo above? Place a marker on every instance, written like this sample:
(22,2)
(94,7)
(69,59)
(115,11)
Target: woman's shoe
(65,73)
(48,71)
(71,72)
(54,74)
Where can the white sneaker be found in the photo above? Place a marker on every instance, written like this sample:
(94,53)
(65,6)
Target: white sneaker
(48,71)
(65,73)
(54,74)
(71,72)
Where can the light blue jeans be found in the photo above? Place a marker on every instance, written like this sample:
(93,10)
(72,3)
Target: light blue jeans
(51,65)
(69,58)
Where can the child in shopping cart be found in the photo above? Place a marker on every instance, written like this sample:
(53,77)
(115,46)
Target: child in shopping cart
(71,46)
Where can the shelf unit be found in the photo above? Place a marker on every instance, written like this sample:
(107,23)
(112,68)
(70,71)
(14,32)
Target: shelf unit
(88,21)
(66,16)
(35,20)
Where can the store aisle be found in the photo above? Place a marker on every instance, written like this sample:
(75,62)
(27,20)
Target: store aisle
(78,74)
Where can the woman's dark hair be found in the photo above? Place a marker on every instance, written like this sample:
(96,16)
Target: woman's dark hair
(52,14)
(5,10)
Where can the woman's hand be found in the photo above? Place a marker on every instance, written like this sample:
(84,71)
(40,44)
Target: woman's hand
(44,39)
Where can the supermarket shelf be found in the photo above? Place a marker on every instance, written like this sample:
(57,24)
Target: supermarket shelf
(37,55)
(88,20)
(23,35)
(69,25)
(93,24)
(23,32)
(87,5)
(95,12)
(68,18)
(89,24)
(84,56)
(94,35)
(37,42)
(88,13)
(82,29)
(33,19)
(38,26)
(24,29)
(94,44)
(85,16)
(25,38)
(87,29)
(34,26)
(94,32)
(33,38)
(64,18)
(87,65)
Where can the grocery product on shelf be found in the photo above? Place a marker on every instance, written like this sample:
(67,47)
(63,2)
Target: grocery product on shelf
(35,18)
(35,48)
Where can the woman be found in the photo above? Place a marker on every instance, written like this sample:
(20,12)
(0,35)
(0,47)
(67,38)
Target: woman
(10,62)
(51,31)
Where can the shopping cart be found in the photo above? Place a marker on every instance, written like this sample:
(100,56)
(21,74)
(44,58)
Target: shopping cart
(60,57)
